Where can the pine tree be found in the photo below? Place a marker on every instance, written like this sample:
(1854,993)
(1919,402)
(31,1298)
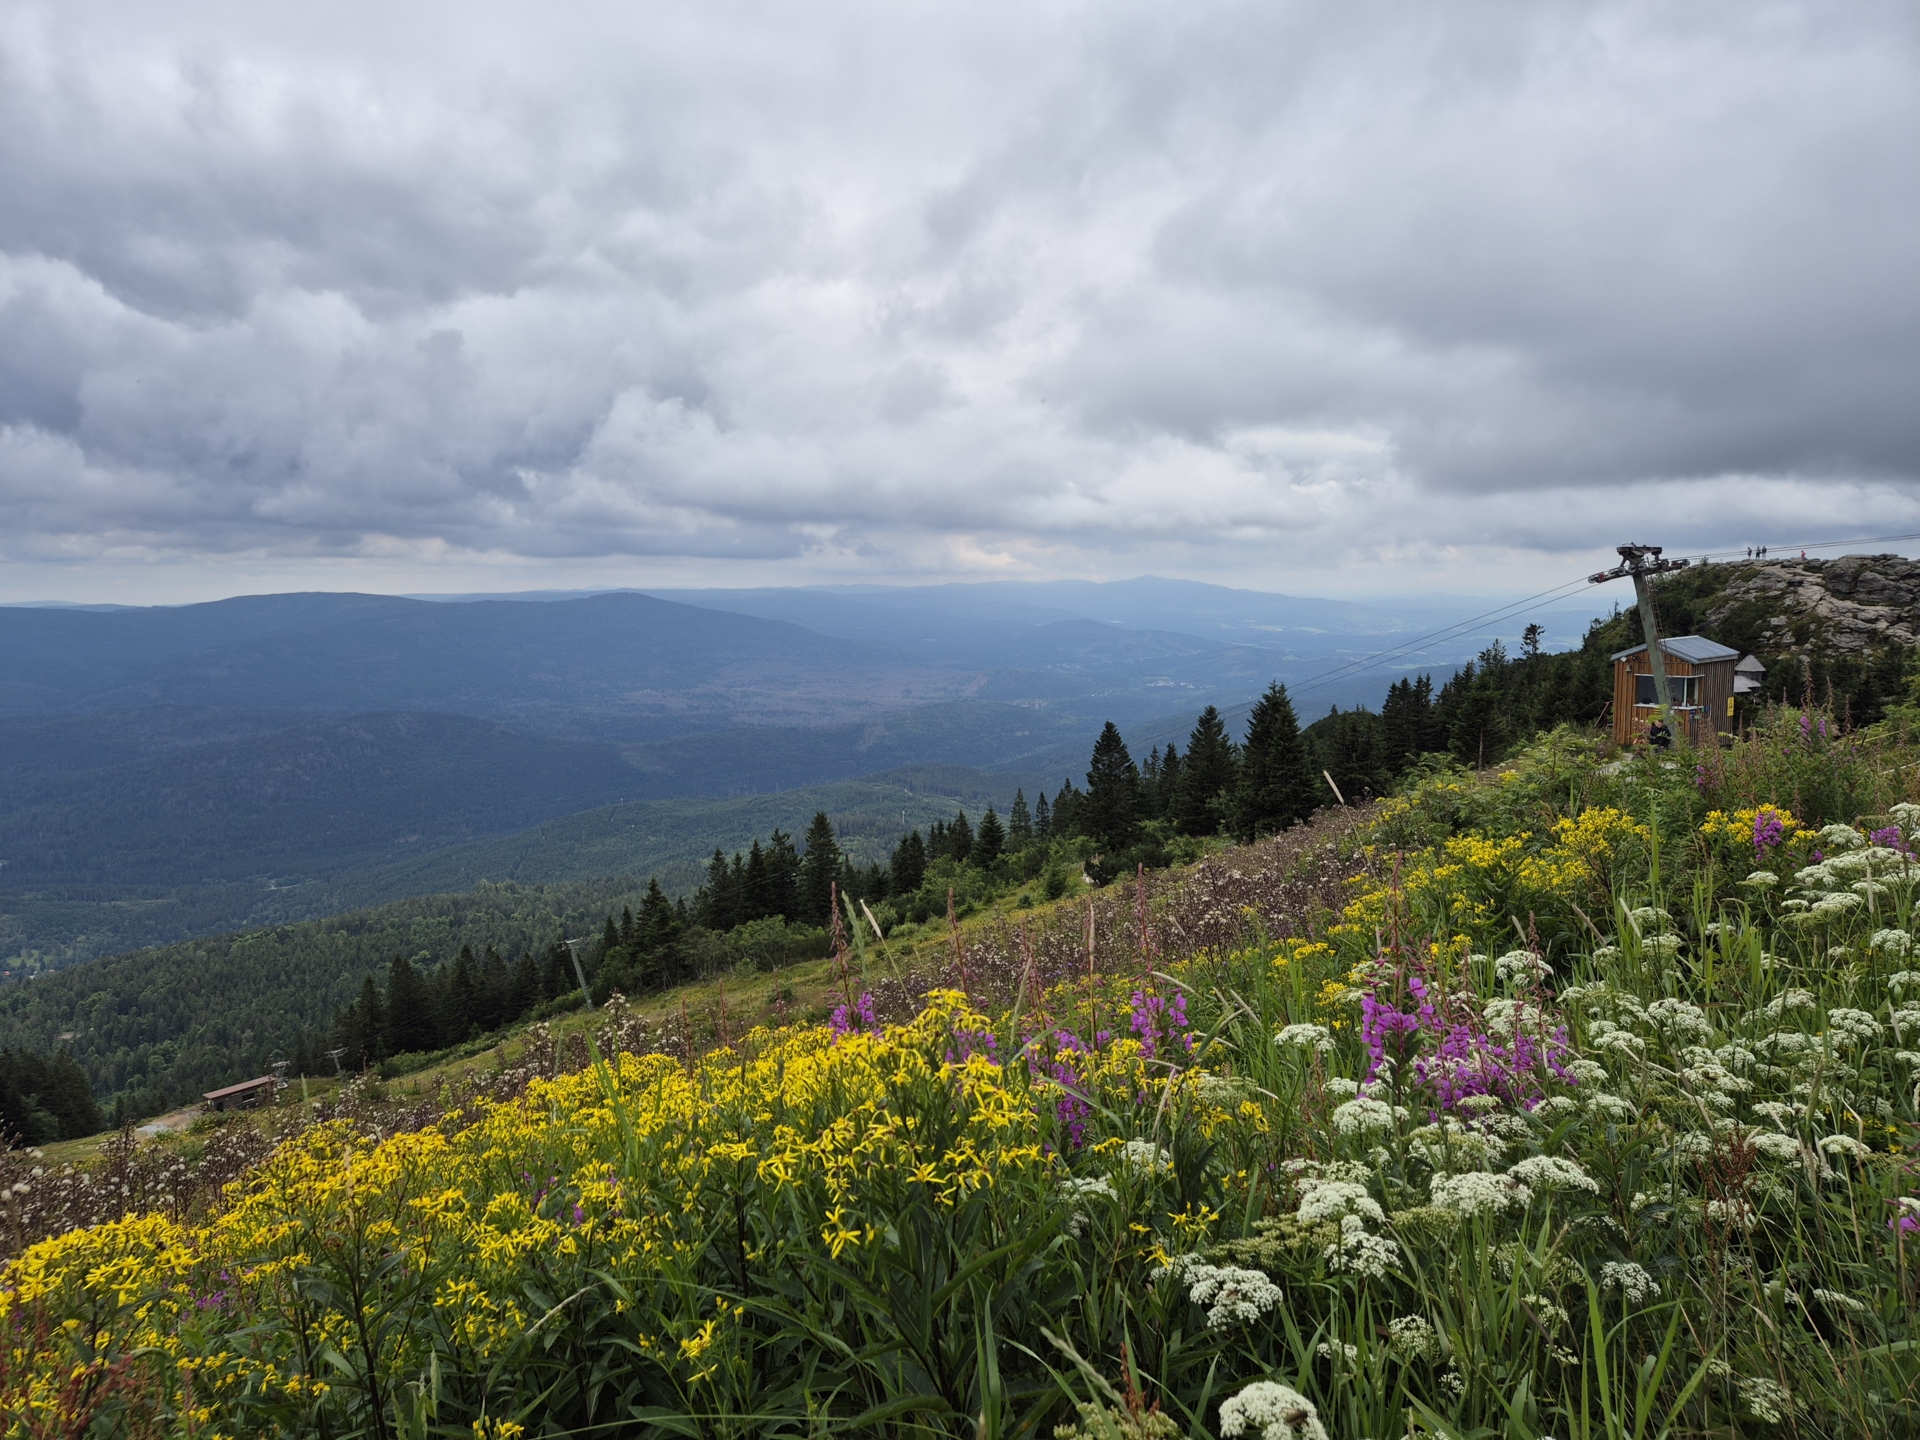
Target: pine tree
(819,868)
(1019,823)
(1276,776)
(988,841)
(410,1019)
(1207,779)
(1112,807)
(959,838)
(909,864)
(1042,818)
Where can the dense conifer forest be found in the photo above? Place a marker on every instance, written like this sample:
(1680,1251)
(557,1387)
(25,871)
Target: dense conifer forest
(387,986)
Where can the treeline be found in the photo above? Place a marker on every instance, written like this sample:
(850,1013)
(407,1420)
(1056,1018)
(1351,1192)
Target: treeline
(44,1099)
(154,1028)
(1482,712)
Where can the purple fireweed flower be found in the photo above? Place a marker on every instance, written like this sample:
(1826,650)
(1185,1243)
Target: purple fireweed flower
(1768,831)
(1806,726)
(1455,1057)
(844,1021)
(1160,1024)
(1891,837)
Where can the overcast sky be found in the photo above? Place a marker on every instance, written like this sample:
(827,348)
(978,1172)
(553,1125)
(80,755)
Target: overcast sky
(1318,298)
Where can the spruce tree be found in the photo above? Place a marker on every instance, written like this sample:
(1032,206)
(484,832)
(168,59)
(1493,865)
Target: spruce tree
(67,1095)
(1207,779)
(1160,803)
(1112,807)
(410,1019)
(783,876)
(715,900)
(460,999)
(1276,775)
(819,868)
(1042,818)
(909,864)
(1019,823)
(1067,806)
(523,992)
(490,1002)
(756,899)
(959,838)
(988,841)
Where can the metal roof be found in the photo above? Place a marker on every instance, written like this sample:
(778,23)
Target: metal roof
(1694,649)
(1750,665)
(236,1089)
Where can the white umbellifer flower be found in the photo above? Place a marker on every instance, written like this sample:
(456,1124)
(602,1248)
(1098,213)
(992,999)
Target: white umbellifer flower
(1788,1042)
(1649,917)
(1606,954)
(1843,837)
(1854,1024)
(1680,1021)
(1361,1253)
(1906,815)
(1339,1085)
(1550,1172)
(1082,1187)
(1314,1037)
(1477,1193)
(1232,1295)
(1620,1041)
(1775,1146)
(1732,1212)
(1325,1350)
(1331,1199)
(1587,1072)
(1661,947)
(1412,1337)
(1835,905)
(1145,1157)
(1790,1000)
(1909,1058)
(1271,1412)
(1557,1105)
(1363,1116)
(1766,1400)
(1902,980)
(1606,1103)
(1793,905)
(1635,1285)
(1519,967)
(1761,878)
(1845,1145)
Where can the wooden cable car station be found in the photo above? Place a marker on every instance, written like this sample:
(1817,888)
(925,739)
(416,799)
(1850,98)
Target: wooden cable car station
(1700,681)
(244,1096)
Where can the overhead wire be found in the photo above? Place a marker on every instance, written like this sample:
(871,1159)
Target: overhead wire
(1361,664)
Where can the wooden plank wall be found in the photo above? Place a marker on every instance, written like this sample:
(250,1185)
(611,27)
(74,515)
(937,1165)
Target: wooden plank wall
(1716,688)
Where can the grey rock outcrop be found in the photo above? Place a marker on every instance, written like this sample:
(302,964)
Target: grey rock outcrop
(1849,606)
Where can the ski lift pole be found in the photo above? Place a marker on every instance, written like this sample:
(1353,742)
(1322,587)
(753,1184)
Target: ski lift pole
(1641,563)
(573,949)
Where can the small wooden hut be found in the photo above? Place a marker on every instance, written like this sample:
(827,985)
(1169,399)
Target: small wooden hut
(1700,683)
(244,1096)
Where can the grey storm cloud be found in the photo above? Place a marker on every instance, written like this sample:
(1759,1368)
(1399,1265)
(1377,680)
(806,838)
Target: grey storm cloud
(756,281)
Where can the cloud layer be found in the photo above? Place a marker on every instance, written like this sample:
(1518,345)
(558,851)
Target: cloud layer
(1004,288)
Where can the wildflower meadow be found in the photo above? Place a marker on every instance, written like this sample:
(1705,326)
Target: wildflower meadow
(1575,1099)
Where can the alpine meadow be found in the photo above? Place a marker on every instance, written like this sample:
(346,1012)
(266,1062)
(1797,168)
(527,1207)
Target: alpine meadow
(1571,1093)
